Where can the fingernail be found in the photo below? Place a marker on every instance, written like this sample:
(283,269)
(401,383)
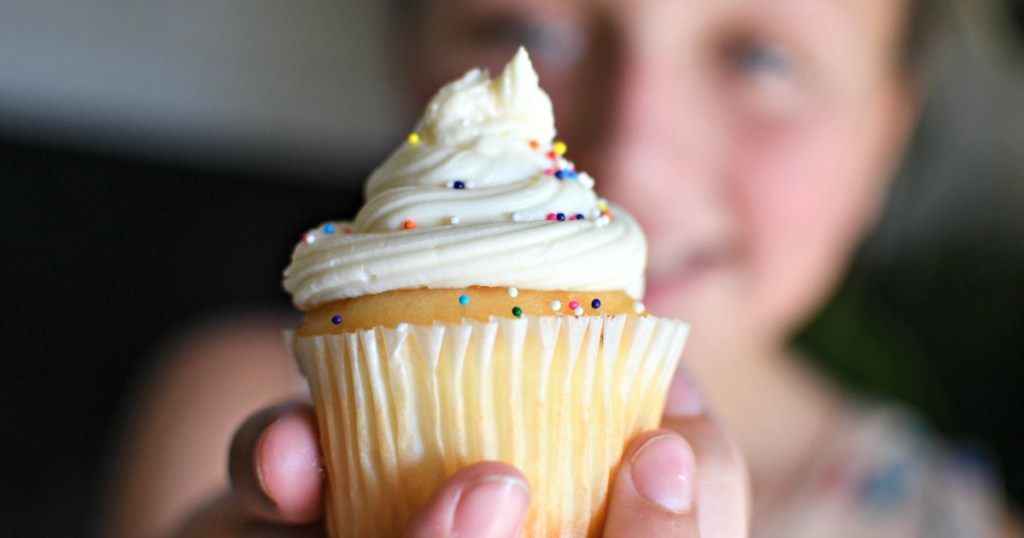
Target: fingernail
(663,473)
(259,463)
(491,506)
(684,397)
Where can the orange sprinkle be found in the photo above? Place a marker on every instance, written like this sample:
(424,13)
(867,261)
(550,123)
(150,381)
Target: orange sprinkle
(408,225)
(534,144)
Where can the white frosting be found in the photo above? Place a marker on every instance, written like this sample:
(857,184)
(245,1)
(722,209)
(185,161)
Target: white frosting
(493,232)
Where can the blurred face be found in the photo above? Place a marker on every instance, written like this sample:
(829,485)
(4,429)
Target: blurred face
(752,140)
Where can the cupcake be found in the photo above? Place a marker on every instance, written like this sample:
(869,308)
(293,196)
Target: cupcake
(484,304)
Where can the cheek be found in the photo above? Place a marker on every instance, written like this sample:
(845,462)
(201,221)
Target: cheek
(805,192)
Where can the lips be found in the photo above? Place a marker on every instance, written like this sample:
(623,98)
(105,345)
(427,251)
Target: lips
(672,281)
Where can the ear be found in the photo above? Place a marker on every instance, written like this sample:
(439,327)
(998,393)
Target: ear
(901,112)
(904,111)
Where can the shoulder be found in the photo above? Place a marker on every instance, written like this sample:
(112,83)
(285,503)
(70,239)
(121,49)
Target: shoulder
(888,474)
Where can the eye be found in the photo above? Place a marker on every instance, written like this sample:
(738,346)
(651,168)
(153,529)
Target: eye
(764,59)
(764,77)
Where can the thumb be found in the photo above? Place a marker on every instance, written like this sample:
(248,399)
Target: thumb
(722,484)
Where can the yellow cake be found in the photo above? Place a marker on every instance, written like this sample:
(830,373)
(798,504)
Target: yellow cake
(483,305)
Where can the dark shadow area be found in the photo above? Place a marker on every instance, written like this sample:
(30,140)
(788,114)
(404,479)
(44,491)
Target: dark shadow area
(104,259)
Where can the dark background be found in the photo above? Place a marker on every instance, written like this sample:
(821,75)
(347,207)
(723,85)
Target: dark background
(105,255)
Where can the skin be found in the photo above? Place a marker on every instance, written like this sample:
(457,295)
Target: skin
(753,141)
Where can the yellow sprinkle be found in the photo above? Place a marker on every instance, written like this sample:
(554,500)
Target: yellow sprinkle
(602,206)
(414,138)
(559,147)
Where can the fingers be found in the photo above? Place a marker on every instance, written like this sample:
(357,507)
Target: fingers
(686,479)
(654,493)
(723,487)
(486,500)
(275,465)
(225,518)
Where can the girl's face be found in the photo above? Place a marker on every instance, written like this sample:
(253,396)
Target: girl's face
(752,140)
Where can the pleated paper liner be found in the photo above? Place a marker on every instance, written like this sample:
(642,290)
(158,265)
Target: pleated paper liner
(558,397)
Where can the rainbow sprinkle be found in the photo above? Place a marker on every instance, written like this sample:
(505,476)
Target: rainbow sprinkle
(337,319)
(517,312)
(513,292)
(414,139)
(463,300)
(595,304)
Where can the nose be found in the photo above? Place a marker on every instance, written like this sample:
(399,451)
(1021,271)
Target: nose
(660,153)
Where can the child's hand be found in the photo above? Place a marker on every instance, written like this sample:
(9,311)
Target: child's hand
(685,480)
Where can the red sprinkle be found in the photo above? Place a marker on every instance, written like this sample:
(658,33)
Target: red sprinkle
(552,216)
(552,155)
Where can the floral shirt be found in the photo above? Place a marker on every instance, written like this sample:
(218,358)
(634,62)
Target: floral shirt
(887,476)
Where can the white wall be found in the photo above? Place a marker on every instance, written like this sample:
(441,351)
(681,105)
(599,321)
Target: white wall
(290,84)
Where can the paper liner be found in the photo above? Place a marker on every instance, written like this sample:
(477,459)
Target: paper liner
(558,397)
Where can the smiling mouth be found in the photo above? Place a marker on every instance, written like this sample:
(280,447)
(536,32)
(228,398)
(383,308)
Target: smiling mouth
(682,275)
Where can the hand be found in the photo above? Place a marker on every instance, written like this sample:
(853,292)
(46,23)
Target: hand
(277,480)
(685,479)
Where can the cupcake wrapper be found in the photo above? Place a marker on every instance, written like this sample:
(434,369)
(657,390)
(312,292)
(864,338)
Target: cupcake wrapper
(558,397)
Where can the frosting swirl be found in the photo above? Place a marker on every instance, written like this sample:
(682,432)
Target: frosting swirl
(480,195)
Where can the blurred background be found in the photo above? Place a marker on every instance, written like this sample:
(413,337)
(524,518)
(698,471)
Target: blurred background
(159,159)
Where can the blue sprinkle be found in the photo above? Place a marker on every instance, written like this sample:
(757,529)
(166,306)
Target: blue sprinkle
(560,174)
(573,174)
(464,300)
(560,216)
(595,304)
(459,184)
(579,216)
(328,228)
(337,320)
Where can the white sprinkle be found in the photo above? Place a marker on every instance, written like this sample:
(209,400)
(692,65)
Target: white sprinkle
(450,184)
(517,217)
(454,220)
(602,221)
(470,184)
(578,311)
(639,307)
(309,238)
(513,292)
(556,305)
